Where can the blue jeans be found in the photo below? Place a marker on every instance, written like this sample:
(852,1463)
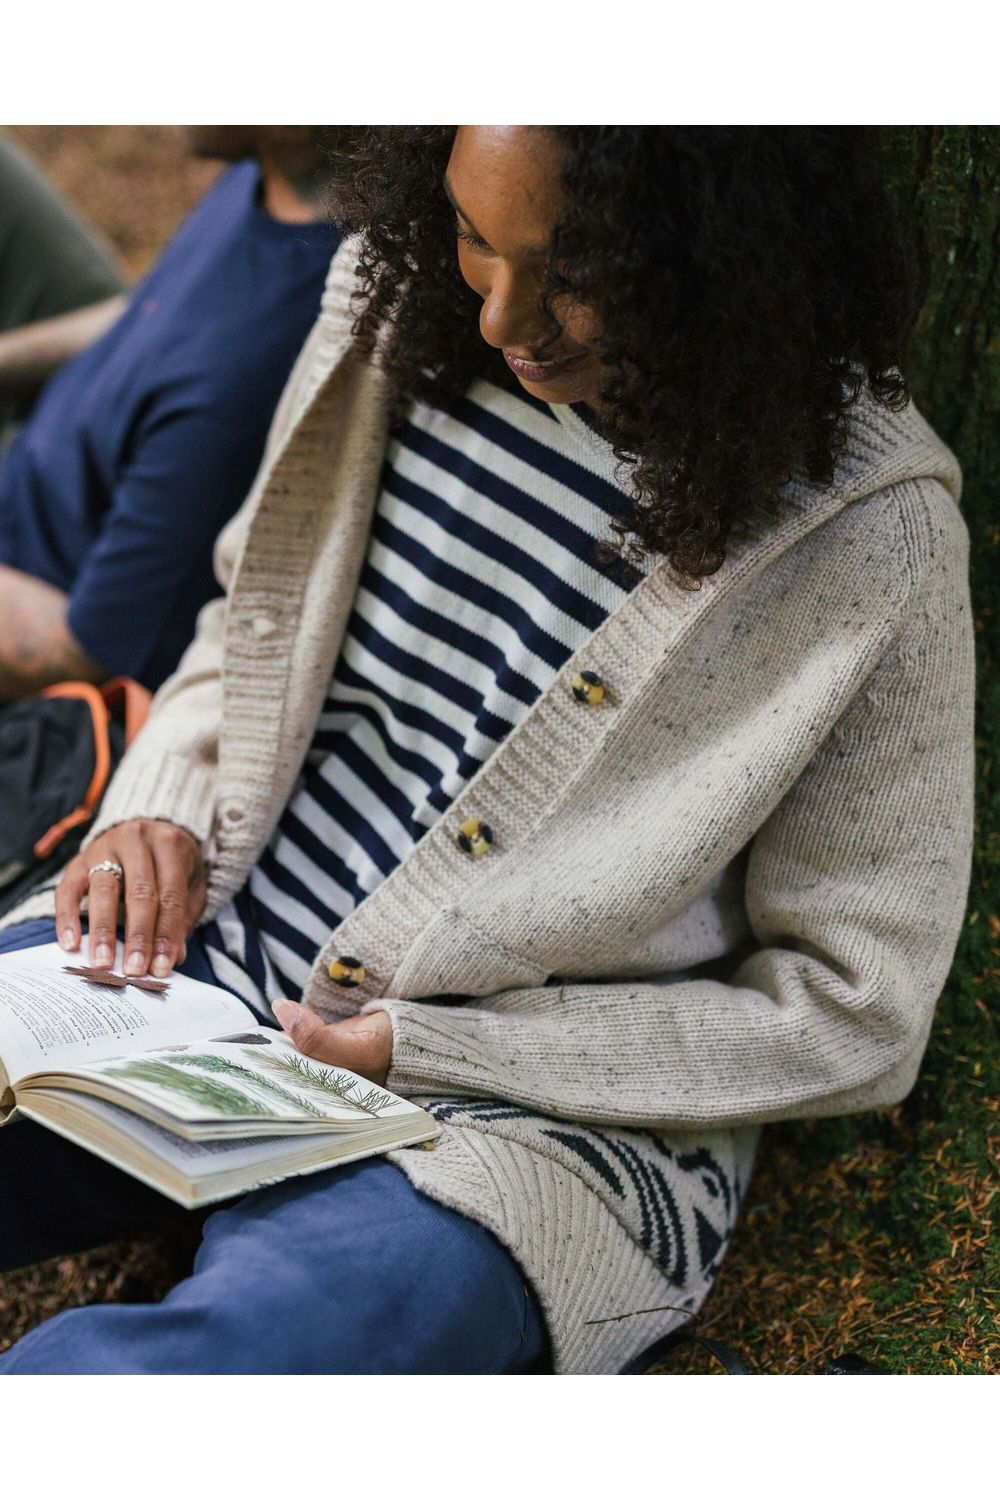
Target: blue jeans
(351,1271)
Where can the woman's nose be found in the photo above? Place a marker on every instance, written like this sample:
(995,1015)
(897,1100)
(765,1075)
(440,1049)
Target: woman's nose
(510,317)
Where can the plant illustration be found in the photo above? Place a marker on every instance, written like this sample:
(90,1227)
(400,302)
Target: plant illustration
(374,1100)
(213,1064)
(297,1069)
(211,1094)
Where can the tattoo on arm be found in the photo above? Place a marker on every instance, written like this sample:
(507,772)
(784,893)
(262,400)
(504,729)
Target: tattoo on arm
(36,645)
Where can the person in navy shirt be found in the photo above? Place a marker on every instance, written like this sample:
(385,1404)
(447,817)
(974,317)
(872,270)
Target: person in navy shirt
(142,447)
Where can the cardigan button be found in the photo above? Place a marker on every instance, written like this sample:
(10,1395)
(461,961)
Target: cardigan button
(587,687)
(347,972)
(475,837)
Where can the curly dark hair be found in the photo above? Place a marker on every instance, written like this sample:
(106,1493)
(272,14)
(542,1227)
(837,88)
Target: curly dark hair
(752,282)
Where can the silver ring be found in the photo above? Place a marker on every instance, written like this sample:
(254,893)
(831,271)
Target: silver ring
(110,866)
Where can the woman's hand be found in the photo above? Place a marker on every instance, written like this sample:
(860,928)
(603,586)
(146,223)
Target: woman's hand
(164,895)
(361,1043)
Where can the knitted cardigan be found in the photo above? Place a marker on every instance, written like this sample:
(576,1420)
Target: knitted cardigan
(728,894)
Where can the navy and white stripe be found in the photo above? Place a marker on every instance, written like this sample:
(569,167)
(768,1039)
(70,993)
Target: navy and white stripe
(480,581)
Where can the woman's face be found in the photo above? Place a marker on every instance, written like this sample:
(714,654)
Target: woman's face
(505,184)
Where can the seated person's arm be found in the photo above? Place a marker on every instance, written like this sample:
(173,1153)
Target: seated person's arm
(33,352)
(135,600)
(37,646)
(131,609)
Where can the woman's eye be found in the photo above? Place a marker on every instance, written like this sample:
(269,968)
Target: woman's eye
(470,239)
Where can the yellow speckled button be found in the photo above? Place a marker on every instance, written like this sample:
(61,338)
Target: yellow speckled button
(475,837)
(587,687)
(347,972)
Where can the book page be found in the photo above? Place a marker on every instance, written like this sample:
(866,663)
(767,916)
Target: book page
(51,1019)
(230,1084)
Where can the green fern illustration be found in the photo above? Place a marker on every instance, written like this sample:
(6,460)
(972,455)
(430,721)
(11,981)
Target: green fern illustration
(374,1100)
(213,1064)
(297,1069)
(210,1094)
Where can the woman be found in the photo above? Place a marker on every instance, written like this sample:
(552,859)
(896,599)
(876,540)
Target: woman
(585,742)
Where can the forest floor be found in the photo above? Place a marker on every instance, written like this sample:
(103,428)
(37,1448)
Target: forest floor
(871,1233)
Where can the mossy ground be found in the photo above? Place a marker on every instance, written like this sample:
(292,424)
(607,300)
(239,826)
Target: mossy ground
(871,1233)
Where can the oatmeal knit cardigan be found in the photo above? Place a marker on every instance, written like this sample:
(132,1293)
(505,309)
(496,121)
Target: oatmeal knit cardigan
(730,893)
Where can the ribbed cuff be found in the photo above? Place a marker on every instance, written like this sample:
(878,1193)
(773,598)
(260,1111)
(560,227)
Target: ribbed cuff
(432,1051)
(174,788)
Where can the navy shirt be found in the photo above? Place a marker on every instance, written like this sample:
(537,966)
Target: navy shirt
(142,447)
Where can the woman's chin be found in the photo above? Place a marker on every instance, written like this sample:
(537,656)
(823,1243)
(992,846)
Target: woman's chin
(559,392)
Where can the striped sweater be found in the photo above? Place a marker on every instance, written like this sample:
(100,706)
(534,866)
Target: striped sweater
(480,580)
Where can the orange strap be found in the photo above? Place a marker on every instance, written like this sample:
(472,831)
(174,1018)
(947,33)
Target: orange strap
(134,700)
(102,762)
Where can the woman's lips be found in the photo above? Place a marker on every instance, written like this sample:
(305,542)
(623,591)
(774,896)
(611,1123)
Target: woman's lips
(539,374)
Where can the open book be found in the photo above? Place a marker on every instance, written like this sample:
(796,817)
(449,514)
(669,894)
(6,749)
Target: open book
(183,1089)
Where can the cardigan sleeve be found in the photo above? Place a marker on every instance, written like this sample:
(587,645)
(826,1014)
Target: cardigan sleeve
(855,892)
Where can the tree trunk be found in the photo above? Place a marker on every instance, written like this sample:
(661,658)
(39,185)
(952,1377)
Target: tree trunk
(949,179)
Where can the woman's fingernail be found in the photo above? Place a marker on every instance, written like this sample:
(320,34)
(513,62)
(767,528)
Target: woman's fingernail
(103,955)
(285,1010)
(67,938)
(135,963)
(161,965)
